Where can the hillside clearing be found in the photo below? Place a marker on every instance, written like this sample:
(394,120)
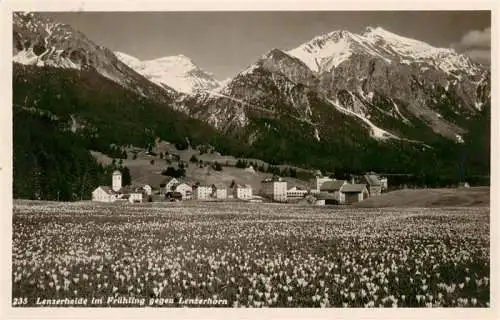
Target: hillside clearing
(142,171)
(462,197)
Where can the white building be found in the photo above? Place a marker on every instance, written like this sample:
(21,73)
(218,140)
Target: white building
(219,191)
(242,191)
(296,193)
(117,180)
(202,192)
(104,194)
(320,202)
(184,189)
(116,192)
(134,197)
(170,182)
(275,188)
(147,189)
(384,182)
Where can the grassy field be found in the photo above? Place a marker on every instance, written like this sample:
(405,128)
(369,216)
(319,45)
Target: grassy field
(249,255)
(430,198)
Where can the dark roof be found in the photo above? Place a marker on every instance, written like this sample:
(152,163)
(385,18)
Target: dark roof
(372,180)
(332,185)
(128,189)
(168,179)
(353,188)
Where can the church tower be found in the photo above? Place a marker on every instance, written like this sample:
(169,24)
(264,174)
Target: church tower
(117,180)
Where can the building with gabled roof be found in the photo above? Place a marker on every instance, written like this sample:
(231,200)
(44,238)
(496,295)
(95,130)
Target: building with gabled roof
(319,181)
(354,192)
(333,188)
(117,191)
(168,183)
(104,194)
(374,184)
(185,189)
(146,188)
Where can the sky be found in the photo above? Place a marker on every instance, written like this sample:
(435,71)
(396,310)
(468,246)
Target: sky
(225,43)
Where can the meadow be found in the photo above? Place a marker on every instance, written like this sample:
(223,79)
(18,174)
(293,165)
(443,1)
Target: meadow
(251,255)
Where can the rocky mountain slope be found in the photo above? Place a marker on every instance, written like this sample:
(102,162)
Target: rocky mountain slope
(71,96)
(394,87)
(42,42)
(178,72)
(343,102)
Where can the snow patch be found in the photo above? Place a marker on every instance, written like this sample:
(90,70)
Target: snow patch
(26,57)
(248,70)
(113,78)
(334,47)
(405,120)
(370,96)
(316,134)
(375,132)
(218,94)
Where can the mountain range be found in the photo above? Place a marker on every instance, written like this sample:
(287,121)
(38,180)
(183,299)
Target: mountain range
(341,101)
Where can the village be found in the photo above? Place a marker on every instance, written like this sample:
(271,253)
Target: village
(323,190)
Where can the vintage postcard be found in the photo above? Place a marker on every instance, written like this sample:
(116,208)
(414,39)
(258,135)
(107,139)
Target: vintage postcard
(319,161)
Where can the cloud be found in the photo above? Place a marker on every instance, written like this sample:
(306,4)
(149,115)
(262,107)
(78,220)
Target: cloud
(477,45)
(477,39)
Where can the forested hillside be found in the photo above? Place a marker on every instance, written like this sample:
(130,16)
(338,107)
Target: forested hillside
(59,115)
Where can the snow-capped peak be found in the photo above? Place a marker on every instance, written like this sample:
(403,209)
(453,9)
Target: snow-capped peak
(326,52)
(178,72)
(334,47)
(379,31)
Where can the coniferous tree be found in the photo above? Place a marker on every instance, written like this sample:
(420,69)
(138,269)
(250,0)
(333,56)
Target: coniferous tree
(126,178)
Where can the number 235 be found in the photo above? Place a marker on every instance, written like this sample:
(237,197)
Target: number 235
(20,301)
